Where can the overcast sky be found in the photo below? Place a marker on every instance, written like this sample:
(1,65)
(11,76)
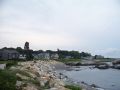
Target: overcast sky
(85,25)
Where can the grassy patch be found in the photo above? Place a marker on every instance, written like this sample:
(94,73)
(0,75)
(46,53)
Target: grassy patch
(105,60)
(12,63)
(9,63)
(7,80)
(47,86)
(73,87)
(70,60)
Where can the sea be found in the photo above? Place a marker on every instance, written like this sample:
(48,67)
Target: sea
(108,79)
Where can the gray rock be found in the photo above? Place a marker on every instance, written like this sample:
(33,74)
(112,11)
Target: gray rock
(2,66)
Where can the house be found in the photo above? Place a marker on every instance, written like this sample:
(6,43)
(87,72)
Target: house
(87,62)
(47,56)
(22,56)
(54,56)
(68,57)
(88,58)
(43,55)
(99,57)
(8,54)
(0,54)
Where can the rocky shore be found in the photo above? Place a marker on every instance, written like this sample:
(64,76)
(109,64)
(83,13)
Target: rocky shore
(100,65)
(44,75)
(38,75)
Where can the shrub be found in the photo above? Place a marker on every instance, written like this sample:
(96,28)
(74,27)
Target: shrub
(12,63)
(73,87)
(7,80)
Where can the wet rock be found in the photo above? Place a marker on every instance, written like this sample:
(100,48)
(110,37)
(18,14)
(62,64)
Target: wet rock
(117,66)
(104,66)
(93,85)
(73,63)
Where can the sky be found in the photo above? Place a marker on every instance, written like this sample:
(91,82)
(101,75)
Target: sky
(84,25)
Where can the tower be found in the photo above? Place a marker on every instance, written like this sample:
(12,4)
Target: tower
(26,46)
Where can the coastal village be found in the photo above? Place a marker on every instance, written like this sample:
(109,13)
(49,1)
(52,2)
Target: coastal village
(38,70)
(59,44)
(11,53)
(59,55)
(19,53)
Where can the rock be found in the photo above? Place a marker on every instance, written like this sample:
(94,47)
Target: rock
(43,73)
(117,66)
(116,62)
(73,63)
(2,66)
(93,85)
(30,87)
(60,88)
(104,66)
(21,76)
(19,84)
(43,81)
(35,61)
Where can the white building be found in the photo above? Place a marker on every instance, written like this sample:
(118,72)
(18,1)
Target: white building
(99,57)
(22,56)
(55,56)
(88,58)
(43,56)
(68,57)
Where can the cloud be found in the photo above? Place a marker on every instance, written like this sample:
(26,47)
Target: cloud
(110,52)
(80,24)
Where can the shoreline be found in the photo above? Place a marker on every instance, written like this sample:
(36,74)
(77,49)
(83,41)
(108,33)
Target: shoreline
(61,67)
(33,75)
(38,75)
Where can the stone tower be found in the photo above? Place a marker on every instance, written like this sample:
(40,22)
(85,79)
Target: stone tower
(26,46)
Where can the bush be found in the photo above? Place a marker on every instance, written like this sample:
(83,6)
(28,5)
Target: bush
(73,87)
(7,80)
(12,63)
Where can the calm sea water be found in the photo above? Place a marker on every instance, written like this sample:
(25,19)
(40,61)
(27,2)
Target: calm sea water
(109,79)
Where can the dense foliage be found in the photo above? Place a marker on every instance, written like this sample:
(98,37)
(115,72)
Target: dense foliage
(73,54)
(62,53)
(7,80)
(11,63)
(73,87)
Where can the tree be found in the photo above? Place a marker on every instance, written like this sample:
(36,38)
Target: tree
(84,54)
(29,55)
(19,49)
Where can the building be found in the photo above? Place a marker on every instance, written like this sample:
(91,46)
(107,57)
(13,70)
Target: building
(43,56)
(26,46)
(54,56)
(99,57)
(22,56)
(68,57)
(88,58)
(8,54)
